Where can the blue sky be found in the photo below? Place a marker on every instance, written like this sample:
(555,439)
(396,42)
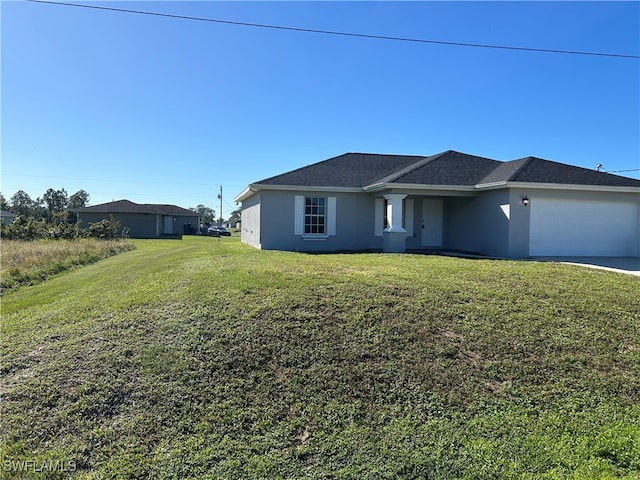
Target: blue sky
(165,110)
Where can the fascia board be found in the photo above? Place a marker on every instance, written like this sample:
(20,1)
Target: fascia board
(306,188)
(244,194)
(558,186)
(256,187)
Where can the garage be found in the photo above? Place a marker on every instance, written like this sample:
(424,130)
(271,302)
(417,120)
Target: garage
(568,227)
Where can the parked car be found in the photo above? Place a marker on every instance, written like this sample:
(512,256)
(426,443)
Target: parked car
(218,231)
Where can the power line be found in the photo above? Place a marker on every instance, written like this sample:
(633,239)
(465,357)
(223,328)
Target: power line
(112,180)
(345,34)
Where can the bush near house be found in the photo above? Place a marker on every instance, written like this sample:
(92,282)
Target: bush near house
(59,227)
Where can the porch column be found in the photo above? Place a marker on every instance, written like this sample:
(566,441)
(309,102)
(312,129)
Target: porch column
(394,236)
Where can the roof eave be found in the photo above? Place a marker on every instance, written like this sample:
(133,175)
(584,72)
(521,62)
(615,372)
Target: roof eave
(558,186)
(256,187)
(244,194)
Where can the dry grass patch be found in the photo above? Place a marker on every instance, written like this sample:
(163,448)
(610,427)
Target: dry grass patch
(28,262)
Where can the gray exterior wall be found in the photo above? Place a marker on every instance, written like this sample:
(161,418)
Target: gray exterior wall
(519,223)
(492,223)
(354,222)
(250,221)
(140,225)
(179,222)
(477,224)
(473,224)
(7,218)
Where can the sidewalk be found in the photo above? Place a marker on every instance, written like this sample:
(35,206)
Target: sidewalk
(628,265)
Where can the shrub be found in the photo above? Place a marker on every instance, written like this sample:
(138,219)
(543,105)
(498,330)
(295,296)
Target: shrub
(107,229)
(24,228)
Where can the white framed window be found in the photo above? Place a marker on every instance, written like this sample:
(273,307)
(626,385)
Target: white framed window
(315,216)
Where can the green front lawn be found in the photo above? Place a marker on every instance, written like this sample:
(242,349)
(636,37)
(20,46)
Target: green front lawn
(208,359)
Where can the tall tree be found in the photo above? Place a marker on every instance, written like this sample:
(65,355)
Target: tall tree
(55,201)
(4,205)
(22,204)
(79,199)
(206,214)
(235,217)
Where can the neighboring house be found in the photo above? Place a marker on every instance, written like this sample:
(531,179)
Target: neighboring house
(144,220)
(7,217)
(449,201)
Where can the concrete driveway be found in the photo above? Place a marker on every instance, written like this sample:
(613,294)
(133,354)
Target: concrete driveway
(629,265)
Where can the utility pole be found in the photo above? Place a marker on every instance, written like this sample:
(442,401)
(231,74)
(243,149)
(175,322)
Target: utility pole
(220,216)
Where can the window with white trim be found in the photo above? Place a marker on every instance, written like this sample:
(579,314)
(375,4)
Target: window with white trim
(315,215)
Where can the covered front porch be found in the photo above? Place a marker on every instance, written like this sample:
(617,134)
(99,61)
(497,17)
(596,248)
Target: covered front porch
(464,221)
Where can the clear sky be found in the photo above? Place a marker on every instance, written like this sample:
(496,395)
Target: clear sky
(165,110)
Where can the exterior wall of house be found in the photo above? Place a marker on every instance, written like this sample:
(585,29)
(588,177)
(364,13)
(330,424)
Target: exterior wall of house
(519,225)
(493,223)
(354,223)
(140,225)
(478,224)
(251,221)
(182,224)
(8,218)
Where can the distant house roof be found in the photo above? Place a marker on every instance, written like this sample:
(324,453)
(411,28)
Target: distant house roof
(126,206)
(450,168)
(5,213)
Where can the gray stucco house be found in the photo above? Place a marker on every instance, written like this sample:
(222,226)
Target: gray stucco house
(450,201)
(7,217)
(145,220)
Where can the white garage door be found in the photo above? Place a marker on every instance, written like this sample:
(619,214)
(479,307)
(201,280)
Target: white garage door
(561,227)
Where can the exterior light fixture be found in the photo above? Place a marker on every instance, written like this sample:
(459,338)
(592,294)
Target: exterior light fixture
(525,201)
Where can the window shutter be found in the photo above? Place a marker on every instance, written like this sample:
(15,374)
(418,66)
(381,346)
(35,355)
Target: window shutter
(298,222)
(331,215)
(379,217)
(408,217)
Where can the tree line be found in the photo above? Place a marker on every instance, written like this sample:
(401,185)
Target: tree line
(52,202)
(53,215)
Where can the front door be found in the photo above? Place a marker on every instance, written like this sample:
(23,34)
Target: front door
(168,224)
(432,222)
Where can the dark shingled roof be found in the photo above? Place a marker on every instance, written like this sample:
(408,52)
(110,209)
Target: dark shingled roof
(349,170)
(126,206)
(357,170)
(449,168)
(538,170)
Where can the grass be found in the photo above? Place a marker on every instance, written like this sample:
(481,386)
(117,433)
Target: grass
(26,263)
(209,359)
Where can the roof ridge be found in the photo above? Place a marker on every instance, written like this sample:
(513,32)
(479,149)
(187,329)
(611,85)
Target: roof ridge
(414,166)
(525,163)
